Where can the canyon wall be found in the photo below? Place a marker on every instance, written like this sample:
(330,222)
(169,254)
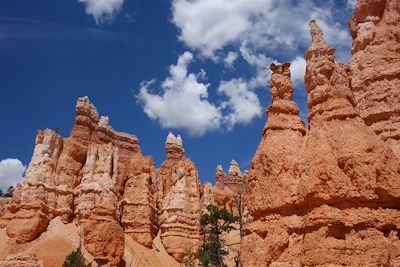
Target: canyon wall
(326,195)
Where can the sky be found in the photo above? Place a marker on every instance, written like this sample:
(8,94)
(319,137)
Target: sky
(198,68)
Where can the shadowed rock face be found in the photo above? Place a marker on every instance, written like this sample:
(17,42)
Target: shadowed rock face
(375,67)
(330,197)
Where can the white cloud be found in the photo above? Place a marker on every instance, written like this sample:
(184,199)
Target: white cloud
(261,32)
(230,59)
(11,172)
(242,104)
(183,103)
(266,25)
(103,11)
(298,69)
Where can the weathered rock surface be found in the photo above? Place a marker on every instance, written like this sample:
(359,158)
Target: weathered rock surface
(180,203)
(375,67)
(228,188)
(104,239)
(274,176)
(329,198)
(97,171)
(20,260)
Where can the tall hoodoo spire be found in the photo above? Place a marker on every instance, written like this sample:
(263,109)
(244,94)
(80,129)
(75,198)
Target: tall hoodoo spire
(283,112)
(327,81)
(174,147)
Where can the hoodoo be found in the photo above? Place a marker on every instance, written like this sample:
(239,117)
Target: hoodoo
(334,199)
(326,195)
(180,202)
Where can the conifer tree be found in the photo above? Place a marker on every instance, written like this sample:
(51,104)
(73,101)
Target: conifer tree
(75,259)
(214,224)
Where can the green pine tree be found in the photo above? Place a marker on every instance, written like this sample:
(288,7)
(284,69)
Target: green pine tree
(214,224)
(75,259)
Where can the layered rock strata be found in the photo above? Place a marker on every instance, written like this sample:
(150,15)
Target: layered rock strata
(329,197)
(98,176)
(375,67)
(180,204)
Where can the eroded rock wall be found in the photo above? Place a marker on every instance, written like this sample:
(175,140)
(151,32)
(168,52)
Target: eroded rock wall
(375,67)
(97,176)
(333,199)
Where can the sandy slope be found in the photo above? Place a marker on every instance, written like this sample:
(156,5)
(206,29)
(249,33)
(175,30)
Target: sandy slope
(52,246)
(137,255)
(60,239)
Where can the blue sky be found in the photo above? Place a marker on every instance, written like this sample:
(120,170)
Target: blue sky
(198,68)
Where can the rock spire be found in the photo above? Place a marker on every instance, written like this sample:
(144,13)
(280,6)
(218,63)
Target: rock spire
(317,199)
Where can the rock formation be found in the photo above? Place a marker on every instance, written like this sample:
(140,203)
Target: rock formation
(16,260)
(180,203)
(329,197)
(375,67)
(228,188)
(97,176)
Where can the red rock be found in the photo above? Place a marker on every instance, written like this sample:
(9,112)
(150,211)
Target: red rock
(332,200)
(180,202)
(104,239)
(375,67)
(97,171)
(21,260)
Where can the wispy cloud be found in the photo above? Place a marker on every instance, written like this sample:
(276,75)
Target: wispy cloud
(14,29)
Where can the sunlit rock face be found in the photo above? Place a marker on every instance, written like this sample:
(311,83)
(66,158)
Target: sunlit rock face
(179,201)
(97,176)
(228,190)
(329,195)
(326,195)
(375,67)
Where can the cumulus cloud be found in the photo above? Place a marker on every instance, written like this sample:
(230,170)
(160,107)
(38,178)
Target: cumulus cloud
(259,33)
(183,102)
(103,11)
(266,25)
(11,173)
(298,69)
(242,104)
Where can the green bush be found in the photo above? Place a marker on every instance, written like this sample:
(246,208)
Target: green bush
(75,259)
